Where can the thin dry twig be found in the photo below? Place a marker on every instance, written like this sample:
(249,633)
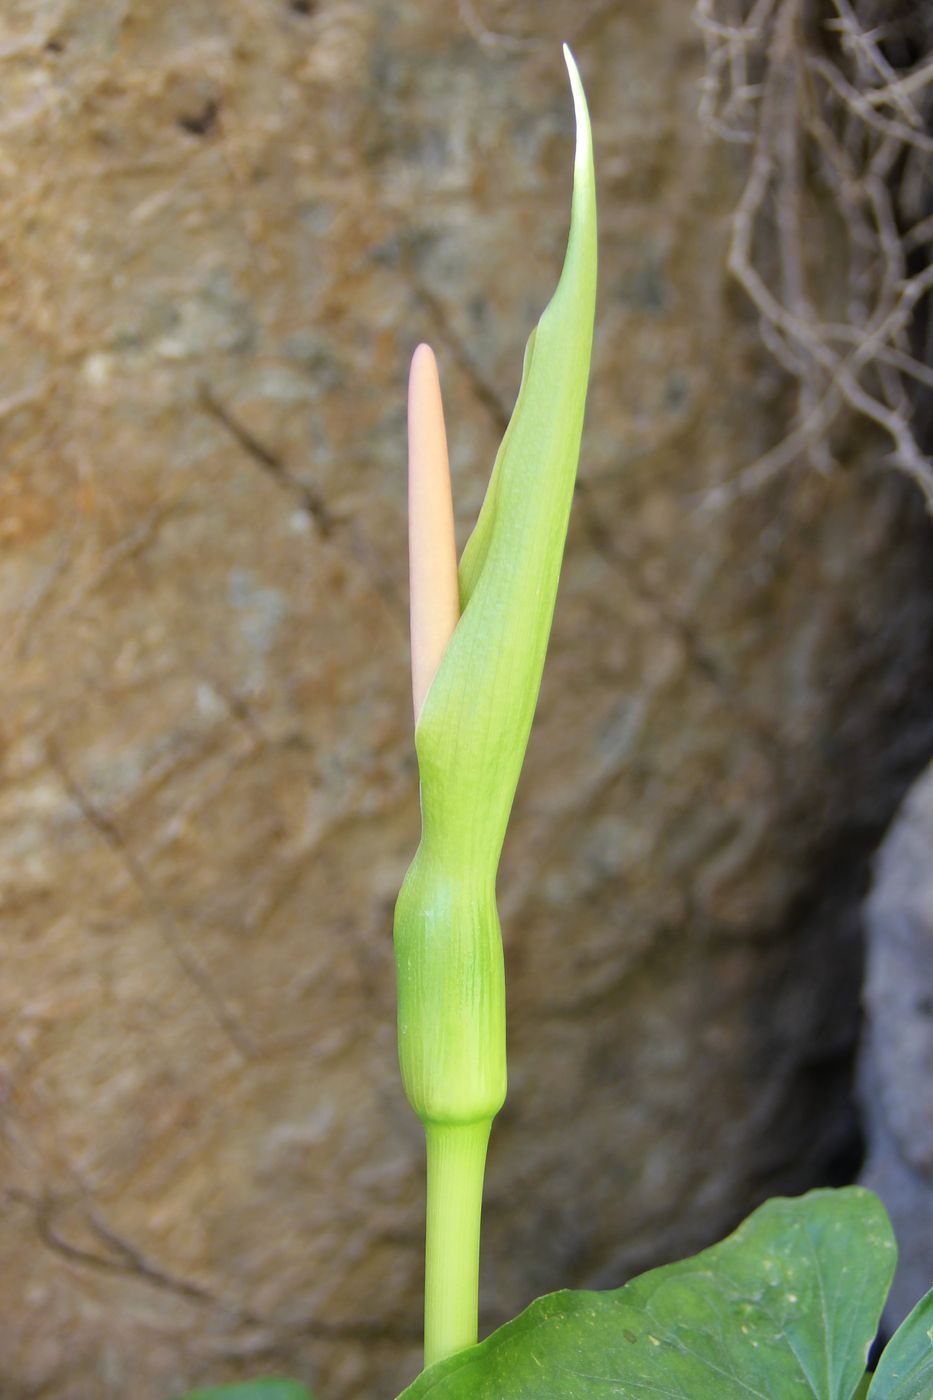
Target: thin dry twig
(834,99)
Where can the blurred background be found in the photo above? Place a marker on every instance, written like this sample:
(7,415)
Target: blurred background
(224,226)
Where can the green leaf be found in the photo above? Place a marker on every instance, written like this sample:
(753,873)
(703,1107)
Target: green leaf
(253,1390)
(905,1371)
(784,1309)
(474,725)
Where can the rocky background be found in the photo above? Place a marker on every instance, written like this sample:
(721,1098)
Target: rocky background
(224,225)
(896,1057)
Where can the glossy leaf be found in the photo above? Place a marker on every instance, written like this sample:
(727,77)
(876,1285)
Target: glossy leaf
(785,1308)
(253,1390)
(905,1371)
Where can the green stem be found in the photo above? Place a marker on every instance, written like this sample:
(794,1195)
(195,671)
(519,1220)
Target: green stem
(456,1162)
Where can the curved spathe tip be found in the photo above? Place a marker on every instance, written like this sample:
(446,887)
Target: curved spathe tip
(581,114)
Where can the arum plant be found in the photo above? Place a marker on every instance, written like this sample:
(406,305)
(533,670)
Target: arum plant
(788,1305)
(478,640)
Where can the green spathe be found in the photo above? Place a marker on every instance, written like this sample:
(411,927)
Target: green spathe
(470,737)
(473,729)
(785,1308)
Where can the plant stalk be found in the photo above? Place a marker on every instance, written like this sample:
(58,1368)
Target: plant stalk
(456,1164)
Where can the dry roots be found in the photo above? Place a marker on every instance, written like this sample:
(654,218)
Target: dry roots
(832,236)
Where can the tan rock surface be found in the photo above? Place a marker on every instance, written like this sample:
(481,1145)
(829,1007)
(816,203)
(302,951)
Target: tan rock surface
(224,226)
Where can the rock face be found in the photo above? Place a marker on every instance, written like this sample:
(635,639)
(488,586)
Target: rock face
(897,1054)
(224,227)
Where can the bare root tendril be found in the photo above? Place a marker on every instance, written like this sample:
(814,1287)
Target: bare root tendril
(832,235)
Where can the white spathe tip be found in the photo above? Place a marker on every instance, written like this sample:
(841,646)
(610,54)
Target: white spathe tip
(581,115)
